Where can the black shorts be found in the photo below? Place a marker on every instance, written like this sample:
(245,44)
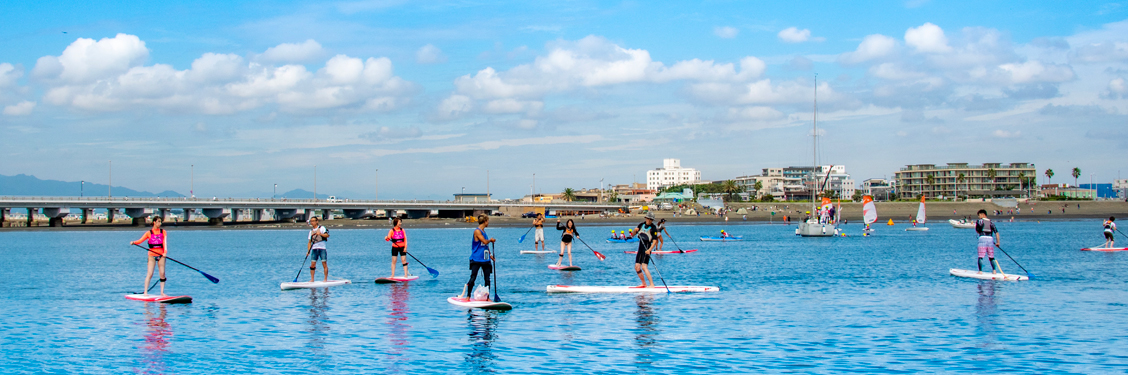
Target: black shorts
(642,257)
(1109,236)
(399,251)
(567,238)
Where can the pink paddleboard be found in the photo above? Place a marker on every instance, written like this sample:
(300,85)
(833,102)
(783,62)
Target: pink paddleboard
(159,298)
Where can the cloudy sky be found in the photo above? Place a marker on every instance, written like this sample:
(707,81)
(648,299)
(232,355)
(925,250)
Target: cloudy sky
(434,94)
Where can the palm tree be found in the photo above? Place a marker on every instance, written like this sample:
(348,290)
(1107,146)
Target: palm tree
(613,197)
(730,188)
(929,180)
(1022,182)
(1076,174)
(991,173)
(1049,176)
(758,186)
(960,179)
(569,195)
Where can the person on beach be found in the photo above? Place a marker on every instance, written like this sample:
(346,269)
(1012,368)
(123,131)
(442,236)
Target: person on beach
(399,246)
(646,232)
(480,256)
(570,232)
(317,237)
(158,249)
(538,235)
(1109,227)
(986,246)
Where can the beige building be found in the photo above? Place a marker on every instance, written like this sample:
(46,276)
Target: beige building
(987,180)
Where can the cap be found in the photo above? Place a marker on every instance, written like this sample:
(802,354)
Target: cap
(650,215)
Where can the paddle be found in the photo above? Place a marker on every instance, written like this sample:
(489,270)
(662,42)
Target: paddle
(211,278)
(522,239)
(493,261)
(1121,233)
(672,240)
(308,250)
(434,273)
(597,254)
(660,273)
(1028,274)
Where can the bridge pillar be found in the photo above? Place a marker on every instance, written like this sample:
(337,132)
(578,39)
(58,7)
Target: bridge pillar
(55,215)
(216,215)
(358,213)
(326,215)
(163,213)
(256,215)
(236,214)
(288,213)
(4,217)
(110,213)
(417,214)
(31,212)
(188,214)
(139,215)
(86,213)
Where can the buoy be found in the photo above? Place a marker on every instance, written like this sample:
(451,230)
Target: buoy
(890,222)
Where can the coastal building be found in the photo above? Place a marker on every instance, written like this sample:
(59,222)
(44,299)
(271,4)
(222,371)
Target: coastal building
(1120,188)
(962,179)
(1103,191)
(471,198)
(878,188)
(671,174)
(795,183)
(1066,191)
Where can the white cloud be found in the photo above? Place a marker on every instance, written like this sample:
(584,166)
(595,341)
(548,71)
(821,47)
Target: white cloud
(794,35)
(726,32)
(755,113)
(9,74)
(1118,87)
(19,109)
(1034,71)
(429,54)
(1006,134)
(872,47)
(927,38)
(108,76)
(486,145)
(306,51)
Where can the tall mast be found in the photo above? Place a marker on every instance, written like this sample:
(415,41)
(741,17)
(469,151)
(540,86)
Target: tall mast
(815,141)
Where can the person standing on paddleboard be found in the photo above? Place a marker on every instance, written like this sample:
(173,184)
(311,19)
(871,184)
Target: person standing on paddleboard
(538,233)
(399,246)
(1109,227)
(158,249)
(317,237)
(646,232)
(986,246)
(569,229)
(661,228)
(480,256)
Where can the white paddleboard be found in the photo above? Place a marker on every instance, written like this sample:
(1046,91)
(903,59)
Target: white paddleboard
(159,298)
(315,284)
(986,275)
(536,251)
(397,279)
(487,305)
(920,229)
(1105,249)
(563,268)
(629,289)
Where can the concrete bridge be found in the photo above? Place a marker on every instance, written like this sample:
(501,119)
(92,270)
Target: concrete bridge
(236,209)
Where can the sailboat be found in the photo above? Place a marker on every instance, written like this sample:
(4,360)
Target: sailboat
(920,218)
(869,212)
(814,226)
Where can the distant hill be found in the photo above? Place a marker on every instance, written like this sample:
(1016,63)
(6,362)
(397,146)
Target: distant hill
(24,185)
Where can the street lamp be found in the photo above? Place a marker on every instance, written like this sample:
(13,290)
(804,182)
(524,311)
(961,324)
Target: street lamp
(275,192)
(81,188)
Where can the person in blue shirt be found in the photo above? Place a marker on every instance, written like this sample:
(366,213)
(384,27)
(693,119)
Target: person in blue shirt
(480,256)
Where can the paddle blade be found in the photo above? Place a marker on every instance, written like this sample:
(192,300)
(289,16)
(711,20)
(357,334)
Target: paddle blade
(434,272)
(600,256)
(522,239)
(210,278)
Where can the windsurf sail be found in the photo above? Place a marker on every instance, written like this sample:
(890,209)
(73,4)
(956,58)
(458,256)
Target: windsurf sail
(869,210)
(920,218)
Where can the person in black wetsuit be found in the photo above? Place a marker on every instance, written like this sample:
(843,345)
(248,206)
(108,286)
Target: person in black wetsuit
(646,232)
(570,232)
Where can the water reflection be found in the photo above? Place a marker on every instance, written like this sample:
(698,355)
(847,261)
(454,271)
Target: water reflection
(397,327)
(318,315)
(482,323)
(986,311)
(157,335)
(645,334)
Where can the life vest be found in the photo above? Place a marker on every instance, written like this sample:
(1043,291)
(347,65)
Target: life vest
(156,239)
(398,237)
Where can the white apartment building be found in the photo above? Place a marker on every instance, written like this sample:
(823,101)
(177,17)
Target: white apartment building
(671,174)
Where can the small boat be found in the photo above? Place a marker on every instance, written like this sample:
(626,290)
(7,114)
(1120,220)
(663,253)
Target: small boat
(620,240)
(961,224)
(722,239)
(920,219)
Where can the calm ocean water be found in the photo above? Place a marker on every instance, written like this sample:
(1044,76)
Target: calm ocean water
(880,304)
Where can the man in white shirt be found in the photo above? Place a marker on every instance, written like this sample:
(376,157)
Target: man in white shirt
(317,237)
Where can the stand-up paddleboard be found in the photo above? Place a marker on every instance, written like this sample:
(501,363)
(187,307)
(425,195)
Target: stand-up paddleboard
(722,239)
(397,279)
(665,251)
(619,240)
(315,284)
(159,298)
(629,289)
(563,268)
(1108,249)
(918,229)
(486,304)
(986,275)
(536,251)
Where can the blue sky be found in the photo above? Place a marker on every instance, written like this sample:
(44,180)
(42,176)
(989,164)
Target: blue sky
(434,94)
